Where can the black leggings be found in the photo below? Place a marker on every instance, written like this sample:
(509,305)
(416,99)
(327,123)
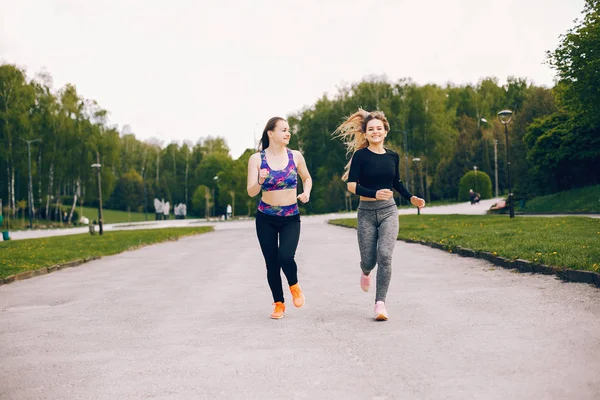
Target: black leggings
(278,238)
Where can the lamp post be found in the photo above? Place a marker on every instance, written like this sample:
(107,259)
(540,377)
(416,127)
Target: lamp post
(96,167)
(418,162)
(216,179)
(505,117)
(30,194)
(475,169)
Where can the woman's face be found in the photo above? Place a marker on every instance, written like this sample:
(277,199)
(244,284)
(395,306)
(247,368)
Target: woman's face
(281,133)
(375,131)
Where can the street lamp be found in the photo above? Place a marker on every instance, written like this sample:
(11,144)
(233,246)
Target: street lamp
(216,179)
(30,194)
(475,169)
(96,167)
(505,117)
(418,162)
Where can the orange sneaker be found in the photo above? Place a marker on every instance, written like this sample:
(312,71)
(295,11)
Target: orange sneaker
(279,310)
(297,295)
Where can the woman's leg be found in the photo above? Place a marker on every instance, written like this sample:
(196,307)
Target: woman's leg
(289,236)
(267,233)
(367,239)
(388,235)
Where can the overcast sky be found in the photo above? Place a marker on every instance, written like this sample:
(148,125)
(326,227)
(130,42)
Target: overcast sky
(183,69)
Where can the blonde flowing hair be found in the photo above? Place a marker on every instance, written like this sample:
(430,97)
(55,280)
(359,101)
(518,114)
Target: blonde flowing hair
(352,132)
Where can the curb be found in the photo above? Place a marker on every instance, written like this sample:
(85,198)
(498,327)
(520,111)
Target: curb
(44,270)
(563,273)
(570,275)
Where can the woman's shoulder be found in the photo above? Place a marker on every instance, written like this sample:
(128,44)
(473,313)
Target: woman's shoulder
(391,153)
(361,152)
(254,157)
(296,153)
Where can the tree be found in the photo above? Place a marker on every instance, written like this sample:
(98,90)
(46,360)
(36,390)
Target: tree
(577,62)
(567,143)
(200,204)
(128,194)
(16,98)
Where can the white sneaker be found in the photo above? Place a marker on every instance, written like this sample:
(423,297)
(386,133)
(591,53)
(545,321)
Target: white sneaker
(380,311)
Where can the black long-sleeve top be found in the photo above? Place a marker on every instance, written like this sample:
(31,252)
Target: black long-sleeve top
(372,172)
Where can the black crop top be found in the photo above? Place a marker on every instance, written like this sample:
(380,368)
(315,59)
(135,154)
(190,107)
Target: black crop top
(372,172)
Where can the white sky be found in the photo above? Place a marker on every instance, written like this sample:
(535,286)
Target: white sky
(184,69)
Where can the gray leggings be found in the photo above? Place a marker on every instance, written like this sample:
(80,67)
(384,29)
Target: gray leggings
(377,235)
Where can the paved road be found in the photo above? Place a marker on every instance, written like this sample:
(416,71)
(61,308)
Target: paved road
(189,320)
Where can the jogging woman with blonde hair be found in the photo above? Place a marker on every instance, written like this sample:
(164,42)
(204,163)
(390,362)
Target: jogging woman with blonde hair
(372,173)
(274,172)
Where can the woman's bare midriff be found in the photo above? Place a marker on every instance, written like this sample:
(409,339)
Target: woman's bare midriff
(367,199)
(283,197)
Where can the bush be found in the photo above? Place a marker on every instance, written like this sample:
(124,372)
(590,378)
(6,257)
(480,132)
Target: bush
(479,181)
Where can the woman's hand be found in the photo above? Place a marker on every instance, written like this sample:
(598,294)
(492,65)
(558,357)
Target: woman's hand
(304,197)
(262,175)
(384,194)
(417,202)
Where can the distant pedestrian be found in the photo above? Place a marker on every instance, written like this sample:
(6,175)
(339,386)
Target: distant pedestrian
(474,197)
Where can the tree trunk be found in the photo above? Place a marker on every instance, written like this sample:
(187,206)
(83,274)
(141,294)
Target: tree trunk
(57,212)
(8,184)
(70,219)
(187,164)
(40,183)
(50,183)
(10,167)
(426,184)
(232,204)
(12,191)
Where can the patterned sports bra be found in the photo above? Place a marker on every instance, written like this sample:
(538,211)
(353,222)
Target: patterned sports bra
(286,178)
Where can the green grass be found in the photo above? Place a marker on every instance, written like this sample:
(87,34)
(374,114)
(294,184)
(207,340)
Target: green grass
(30,254)
(435,203)
(116,216)
(583,200)
(570,242)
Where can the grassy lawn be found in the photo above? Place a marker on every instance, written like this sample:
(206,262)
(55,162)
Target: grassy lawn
(583,200)
(570,242)
(435,203)
(30,254)
(116,216)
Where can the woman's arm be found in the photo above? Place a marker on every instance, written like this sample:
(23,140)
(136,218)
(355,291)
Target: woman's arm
(253,186)
(353,178)
(400,188)
(305,176)
(351,187)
